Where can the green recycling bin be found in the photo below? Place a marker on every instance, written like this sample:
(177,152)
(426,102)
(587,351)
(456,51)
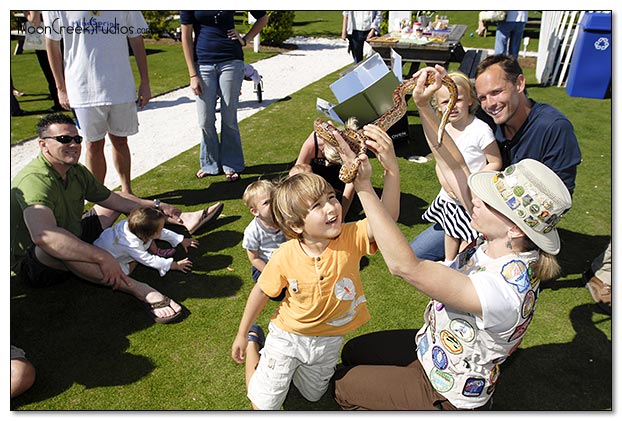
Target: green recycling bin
(589,75)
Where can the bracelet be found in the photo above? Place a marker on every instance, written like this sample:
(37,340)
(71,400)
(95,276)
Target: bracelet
(244,38)
(194,75)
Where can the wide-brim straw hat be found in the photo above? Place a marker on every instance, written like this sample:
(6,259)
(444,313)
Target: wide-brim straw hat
(531,195)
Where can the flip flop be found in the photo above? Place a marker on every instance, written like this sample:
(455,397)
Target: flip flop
(232,177)
(165,302)
(208,214)
(166,253)
(259,337)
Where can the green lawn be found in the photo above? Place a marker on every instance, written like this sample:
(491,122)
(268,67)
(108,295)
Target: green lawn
(97,350)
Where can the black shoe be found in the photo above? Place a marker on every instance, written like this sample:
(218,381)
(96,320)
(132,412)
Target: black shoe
(587,275)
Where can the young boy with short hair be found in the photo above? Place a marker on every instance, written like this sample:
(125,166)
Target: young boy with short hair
(324,299)
(261,236)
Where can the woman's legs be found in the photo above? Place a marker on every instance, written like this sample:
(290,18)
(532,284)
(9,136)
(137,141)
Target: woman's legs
(209,155)
(382,373)
(230,77)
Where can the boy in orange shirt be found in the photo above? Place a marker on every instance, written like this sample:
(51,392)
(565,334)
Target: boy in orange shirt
(324,299)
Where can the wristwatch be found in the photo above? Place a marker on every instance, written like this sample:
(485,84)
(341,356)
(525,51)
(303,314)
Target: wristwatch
(156,203)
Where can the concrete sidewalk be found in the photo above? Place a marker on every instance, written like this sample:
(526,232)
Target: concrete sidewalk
(168,124)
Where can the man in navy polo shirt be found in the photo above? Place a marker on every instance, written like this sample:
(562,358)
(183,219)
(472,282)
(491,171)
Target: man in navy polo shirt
(524,129)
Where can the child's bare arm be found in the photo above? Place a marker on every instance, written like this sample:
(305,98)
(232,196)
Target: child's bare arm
(257,300)
(256,261)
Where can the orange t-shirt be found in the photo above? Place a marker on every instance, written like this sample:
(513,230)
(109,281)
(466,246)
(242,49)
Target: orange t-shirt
(324,294)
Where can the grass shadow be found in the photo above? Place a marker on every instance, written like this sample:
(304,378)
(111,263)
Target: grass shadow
(70,328)
(578,374)
(296,402)
(575,257)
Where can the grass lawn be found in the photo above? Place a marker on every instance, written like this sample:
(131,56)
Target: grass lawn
(95,349)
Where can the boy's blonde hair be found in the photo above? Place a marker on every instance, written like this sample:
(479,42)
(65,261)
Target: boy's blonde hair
(145,222)
(293,197)
(463,81)
(254,189)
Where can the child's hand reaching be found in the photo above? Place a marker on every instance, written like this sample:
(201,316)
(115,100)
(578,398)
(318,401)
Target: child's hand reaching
(184,265)
(189,242)
(382,146)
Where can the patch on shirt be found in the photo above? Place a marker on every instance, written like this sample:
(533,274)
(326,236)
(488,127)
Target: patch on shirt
(423,345)
(441,381)
(439,357)
(494,374)
(451,343)
(345,290)
(528,304)
(463,329)
(515,273)
(474,386)
(520,329)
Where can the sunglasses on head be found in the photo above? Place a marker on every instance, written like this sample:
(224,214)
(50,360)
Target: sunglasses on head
(65,138)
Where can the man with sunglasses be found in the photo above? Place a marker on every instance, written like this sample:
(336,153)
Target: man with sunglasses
(51,234)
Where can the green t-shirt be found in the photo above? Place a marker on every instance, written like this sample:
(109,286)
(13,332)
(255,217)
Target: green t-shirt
(38,183)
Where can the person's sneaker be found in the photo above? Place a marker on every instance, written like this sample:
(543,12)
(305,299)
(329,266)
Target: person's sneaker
(601,293)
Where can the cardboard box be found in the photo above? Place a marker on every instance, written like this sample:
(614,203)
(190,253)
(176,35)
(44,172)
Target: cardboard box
(366,93)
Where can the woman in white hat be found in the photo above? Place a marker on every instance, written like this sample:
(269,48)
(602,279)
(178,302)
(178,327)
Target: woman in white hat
(481,305)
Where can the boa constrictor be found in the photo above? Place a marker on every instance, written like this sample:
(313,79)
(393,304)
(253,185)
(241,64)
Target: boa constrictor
(356,139)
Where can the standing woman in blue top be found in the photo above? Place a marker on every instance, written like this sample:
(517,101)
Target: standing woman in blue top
(215,63)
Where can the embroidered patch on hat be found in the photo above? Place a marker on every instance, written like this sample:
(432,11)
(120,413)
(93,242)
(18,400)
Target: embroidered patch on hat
(527,200)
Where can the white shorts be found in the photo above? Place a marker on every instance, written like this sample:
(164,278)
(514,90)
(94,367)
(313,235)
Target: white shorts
(309,360)
(94,122)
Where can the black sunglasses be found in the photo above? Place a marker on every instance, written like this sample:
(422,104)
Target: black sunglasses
(65,138)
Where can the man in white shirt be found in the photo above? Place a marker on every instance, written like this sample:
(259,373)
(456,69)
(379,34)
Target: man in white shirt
(96,81)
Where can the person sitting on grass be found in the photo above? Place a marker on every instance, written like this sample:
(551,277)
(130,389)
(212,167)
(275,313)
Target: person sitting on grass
(52,236)
(324,298)
(480,307)
(132,241)
(23,373)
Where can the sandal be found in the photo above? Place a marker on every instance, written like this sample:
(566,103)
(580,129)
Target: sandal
(209,214)
(166,253)
(255,334)
(232,176)
(161,304)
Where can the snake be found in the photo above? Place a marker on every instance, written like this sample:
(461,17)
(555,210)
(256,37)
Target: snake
(356,138)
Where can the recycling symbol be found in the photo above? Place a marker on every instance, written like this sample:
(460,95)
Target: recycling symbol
(601,43)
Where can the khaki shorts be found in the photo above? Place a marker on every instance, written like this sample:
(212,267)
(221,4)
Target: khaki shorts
(309,361)
(94,122)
